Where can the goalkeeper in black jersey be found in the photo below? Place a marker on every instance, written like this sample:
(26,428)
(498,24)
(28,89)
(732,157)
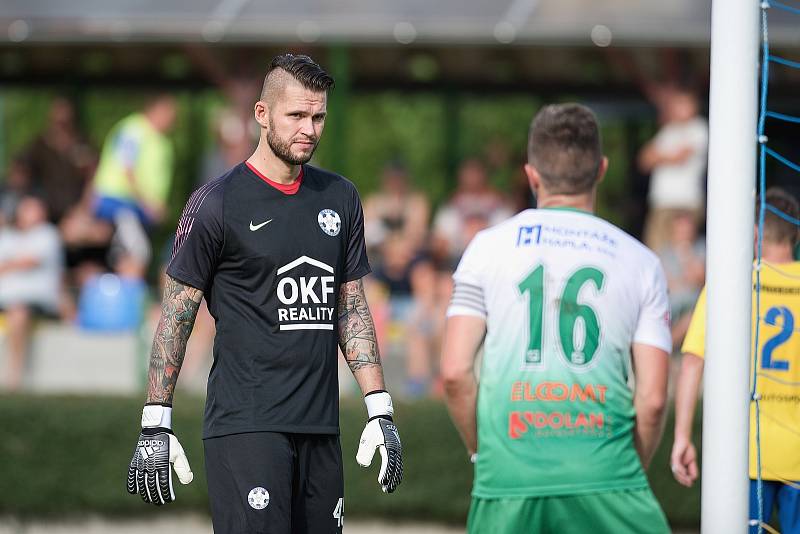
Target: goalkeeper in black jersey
(276,247)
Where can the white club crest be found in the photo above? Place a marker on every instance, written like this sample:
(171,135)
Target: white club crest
(258,498)
(330,222)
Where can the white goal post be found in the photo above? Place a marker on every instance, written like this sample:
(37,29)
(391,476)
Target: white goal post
(733,113)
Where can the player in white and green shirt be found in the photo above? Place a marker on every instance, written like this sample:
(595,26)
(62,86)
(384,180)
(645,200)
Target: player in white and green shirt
(569,310)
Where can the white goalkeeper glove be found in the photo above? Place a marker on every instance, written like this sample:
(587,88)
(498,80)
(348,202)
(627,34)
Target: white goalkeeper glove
(149,472)
(381,433)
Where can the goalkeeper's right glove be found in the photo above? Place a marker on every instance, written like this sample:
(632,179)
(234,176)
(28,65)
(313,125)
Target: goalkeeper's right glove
(149,474)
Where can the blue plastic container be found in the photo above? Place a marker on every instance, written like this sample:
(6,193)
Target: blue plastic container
(110,303)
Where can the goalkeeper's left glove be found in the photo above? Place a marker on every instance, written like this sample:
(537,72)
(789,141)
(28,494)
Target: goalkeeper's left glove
(380,433)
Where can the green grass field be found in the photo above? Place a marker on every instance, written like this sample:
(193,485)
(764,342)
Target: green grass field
(68,456)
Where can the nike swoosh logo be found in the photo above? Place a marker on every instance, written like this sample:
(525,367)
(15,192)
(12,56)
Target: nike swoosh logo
(254,227)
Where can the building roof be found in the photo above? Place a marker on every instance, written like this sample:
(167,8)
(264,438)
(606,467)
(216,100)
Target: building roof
(370,22)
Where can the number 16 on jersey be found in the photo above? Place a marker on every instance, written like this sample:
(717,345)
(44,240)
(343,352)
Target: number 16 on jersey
(579,351)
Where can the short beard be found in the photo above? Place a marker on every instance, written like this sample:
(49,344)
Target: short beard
(283,149)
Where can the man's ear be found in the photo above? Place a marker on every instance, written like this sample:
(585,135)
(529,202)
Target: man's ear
(261,113)
(534,178)
(601,172)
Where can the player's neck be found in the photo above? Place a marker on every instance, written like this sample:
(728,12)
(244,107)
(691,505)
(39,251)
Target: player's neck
(583,202)
(271,166)
(777,252)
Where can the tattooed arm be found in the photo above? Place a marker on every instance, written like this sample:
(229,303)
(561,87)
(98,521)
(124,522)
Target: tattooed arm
(178,312)
(149,472)
(357,337)
(360,349)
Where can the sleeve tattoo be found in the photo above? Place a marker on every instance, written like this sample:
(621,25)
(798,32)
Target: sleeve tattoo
(178,312)
(356,328)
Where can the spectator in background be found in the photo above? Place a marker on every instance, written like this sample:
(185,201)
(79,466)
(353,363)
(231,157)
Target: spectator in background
(396,210)
(683,258)
(16,184)
(30,278)
(676,160)
(408,279)
(60,161)
(474,203)
(239,80)
(425,327)
(133,180)
(394,271)
(232,144)
(86,243)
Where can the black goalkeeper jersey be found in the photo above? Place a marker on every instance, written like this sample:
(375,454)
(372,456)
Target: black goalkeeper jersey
(270,265)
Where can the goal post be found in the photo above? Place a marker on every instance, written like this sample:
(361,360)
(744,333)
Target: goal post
(733,114)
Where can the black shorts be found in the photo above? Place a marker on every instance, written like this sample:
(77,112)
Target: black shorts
(275,483)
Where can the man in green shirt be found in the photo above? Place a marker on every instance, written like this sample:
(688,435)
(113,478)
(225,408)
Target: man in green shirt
(133,179)
(135,169)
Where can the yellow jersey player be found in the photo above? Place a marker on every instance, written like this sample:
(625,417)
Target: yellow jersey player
(778,370)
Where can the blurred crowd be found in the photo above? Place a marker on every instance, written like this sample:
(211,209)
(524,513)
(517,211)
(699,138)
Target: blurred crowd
(76,228)
(75,225)
(413,260)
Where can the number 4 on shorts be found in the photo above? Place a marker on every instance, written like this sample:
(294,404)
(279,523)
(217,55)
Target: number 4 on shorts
(338,512)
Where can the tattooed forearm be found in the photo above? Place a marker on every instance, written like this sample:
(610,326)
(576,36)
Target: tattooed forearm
(178,312)
(356,329)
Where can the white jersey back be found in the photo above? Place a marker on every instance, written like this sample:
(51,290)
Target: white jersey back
(564,294)
(544,251)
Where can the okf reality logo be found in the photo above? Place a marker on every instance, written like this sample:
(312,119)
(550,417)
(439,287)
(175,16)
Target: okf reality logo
(305,297)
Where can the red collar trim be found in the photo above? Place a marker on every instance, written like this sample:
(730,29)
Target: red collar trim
(286,189)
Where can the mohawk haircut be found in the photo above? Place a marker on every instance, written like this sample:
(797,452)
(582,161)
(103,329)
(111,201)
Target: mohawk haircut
(564,146)
(299,67)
